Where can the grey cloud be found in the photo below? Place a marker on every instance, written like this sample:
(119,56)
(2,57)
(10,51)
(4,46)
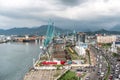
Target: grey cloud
(72,2)
(80,25)
(34,16)
(21,14)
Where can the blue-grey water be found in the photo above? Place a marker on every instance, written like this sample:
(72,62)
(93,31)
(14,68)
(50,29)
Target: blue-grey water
(16,59)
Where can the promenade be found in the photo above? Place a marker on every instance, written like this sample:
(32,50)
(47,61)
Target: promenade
(43,74)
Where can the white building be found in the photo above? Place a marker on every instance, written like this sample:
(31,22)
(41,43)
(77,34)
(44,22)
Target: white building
(117,44)
(113,48)
(80,48)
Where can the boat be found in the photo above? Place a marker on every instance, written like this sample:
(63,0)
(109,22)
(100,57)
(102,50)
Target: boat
(27,40)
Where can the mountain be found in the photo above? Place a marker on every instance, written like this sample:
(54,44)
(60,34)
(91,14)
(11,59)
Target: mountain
(115,28)
(30,31)
(41,30)
(103,31)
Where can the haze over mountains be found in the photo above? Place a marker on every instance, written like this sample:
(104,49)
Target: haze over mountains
(41,30)
(115,28)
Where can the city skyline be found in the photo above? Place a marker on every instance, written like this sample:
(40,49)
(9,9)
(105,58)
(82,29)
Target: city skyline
(85,14)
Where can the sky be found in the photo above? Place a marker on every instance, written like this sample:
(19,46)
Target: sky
(71,14)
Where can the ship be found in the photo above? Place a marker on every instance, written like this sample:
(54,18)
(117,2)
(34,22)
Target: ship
(28,40)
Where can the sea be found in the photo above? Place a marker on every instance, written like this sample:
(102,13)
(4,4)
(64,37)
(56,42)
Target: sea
(16,59)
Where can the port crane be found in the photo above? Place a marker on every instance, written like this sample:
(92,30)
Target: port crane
(49,34)
(48,39)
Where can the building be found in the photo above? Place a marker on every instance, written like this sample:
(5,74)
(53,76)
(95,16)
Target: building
(81,37)
(80,48)
(106,39)
(118,38)
(113,47)
(117,44)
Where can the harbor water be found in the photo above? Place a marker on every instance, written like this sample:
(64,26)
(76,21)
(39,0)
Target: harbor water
(16,59)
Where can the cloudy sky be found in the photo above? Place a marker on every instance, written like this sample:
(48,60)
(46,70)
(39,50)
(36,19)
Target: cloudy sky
(82,14)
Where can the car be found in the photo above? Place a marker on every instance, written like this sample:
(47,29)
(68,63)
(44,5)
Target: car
(118,59)
(98,73)
(119,75)
(102,74)
(116,70)
(117,65)
(79,70)
(110,77)
(87,78)
(116,79)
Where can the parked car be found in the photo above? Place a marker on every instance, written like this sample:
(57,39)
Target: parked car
(87,78)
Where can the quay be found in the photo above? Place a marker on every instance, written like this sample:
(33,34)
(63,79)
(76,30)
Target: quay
(48,70)
(59,55)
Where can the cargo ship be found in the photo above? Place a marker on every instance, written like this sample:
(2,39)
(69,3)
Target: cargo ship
(27,40)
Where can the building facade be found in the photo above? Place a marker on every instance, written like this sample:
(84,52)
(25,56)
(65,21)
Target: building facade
(106,39)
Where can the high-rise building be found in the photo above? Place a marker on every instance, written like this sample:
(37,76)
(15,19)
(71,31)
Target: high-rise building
(81,37)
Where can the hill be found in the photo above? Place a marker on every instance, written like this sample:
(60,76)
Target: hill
(115,28)
(30,31)
(103,31)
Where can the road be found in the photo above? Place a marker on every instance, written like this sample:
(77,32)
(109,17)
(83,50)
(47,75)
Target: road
(114,64)
(101,65)
(98,71)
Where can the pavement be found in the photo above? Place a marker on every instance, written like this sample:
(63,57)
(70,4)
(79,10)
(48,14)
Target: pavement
(88,74)
(43,74)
